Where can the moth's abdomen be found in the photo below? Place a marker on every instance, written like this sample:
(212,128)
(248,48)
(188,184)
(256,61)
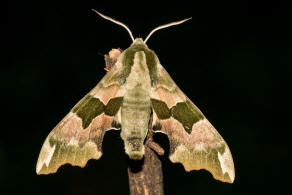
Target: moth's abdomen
(136,107)
(135,114)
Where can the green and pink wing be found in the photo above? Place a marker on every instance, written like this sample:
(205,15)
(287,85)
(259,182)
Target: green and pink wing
(78,137)
(194,142)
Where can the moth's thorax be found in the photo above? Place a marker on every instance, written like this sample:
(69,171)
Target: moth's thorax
(135,110)
(126,61)
(139,78)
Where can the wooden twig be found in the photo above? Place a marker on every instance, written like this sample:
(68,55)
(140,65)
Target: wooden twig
(145,176)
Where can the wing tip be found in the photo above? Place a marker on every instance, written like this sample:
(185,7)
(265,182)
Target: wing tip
(223,172)
(46,165)
(226,178)
(44,170)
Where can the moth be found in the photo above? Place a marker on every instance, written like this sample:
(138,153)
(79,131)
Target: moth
(135,88)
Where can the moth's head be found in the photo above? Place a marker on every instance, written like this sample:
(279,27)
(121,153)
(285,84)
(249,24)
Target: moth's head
(140,40)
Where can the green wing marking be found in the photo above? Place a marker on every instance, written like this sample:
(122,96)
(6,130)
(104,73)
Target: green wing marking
(184,112)
(90,107)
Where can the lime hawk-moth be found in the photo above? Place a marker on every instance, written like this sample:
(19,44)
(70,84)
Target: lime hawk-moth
(135,88)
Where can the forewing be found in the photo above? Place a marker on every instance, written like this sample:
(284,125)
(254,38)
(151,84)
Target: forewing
(78,137)
(194,142)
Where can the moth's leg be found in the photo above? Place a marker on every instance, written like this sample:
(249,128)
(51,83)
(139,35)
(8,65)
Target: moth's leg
(156,147)
(150,142)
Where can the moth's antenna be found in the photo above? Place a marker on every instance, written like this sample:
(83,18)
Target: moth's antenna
(115,21)
(165,26)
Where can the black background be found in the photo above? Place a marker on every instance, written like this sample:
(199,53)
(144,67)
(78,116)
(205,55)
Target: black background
(233,59)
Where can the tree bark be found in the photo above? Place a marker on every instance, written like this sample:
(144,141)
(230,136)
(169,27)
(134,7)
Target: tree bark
(145,176)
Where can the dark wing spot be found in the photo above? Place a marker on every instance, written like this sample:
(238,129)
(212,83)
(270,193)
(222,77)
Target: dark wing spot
(160,109)
(88,109)
(113,106)
(187,114)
